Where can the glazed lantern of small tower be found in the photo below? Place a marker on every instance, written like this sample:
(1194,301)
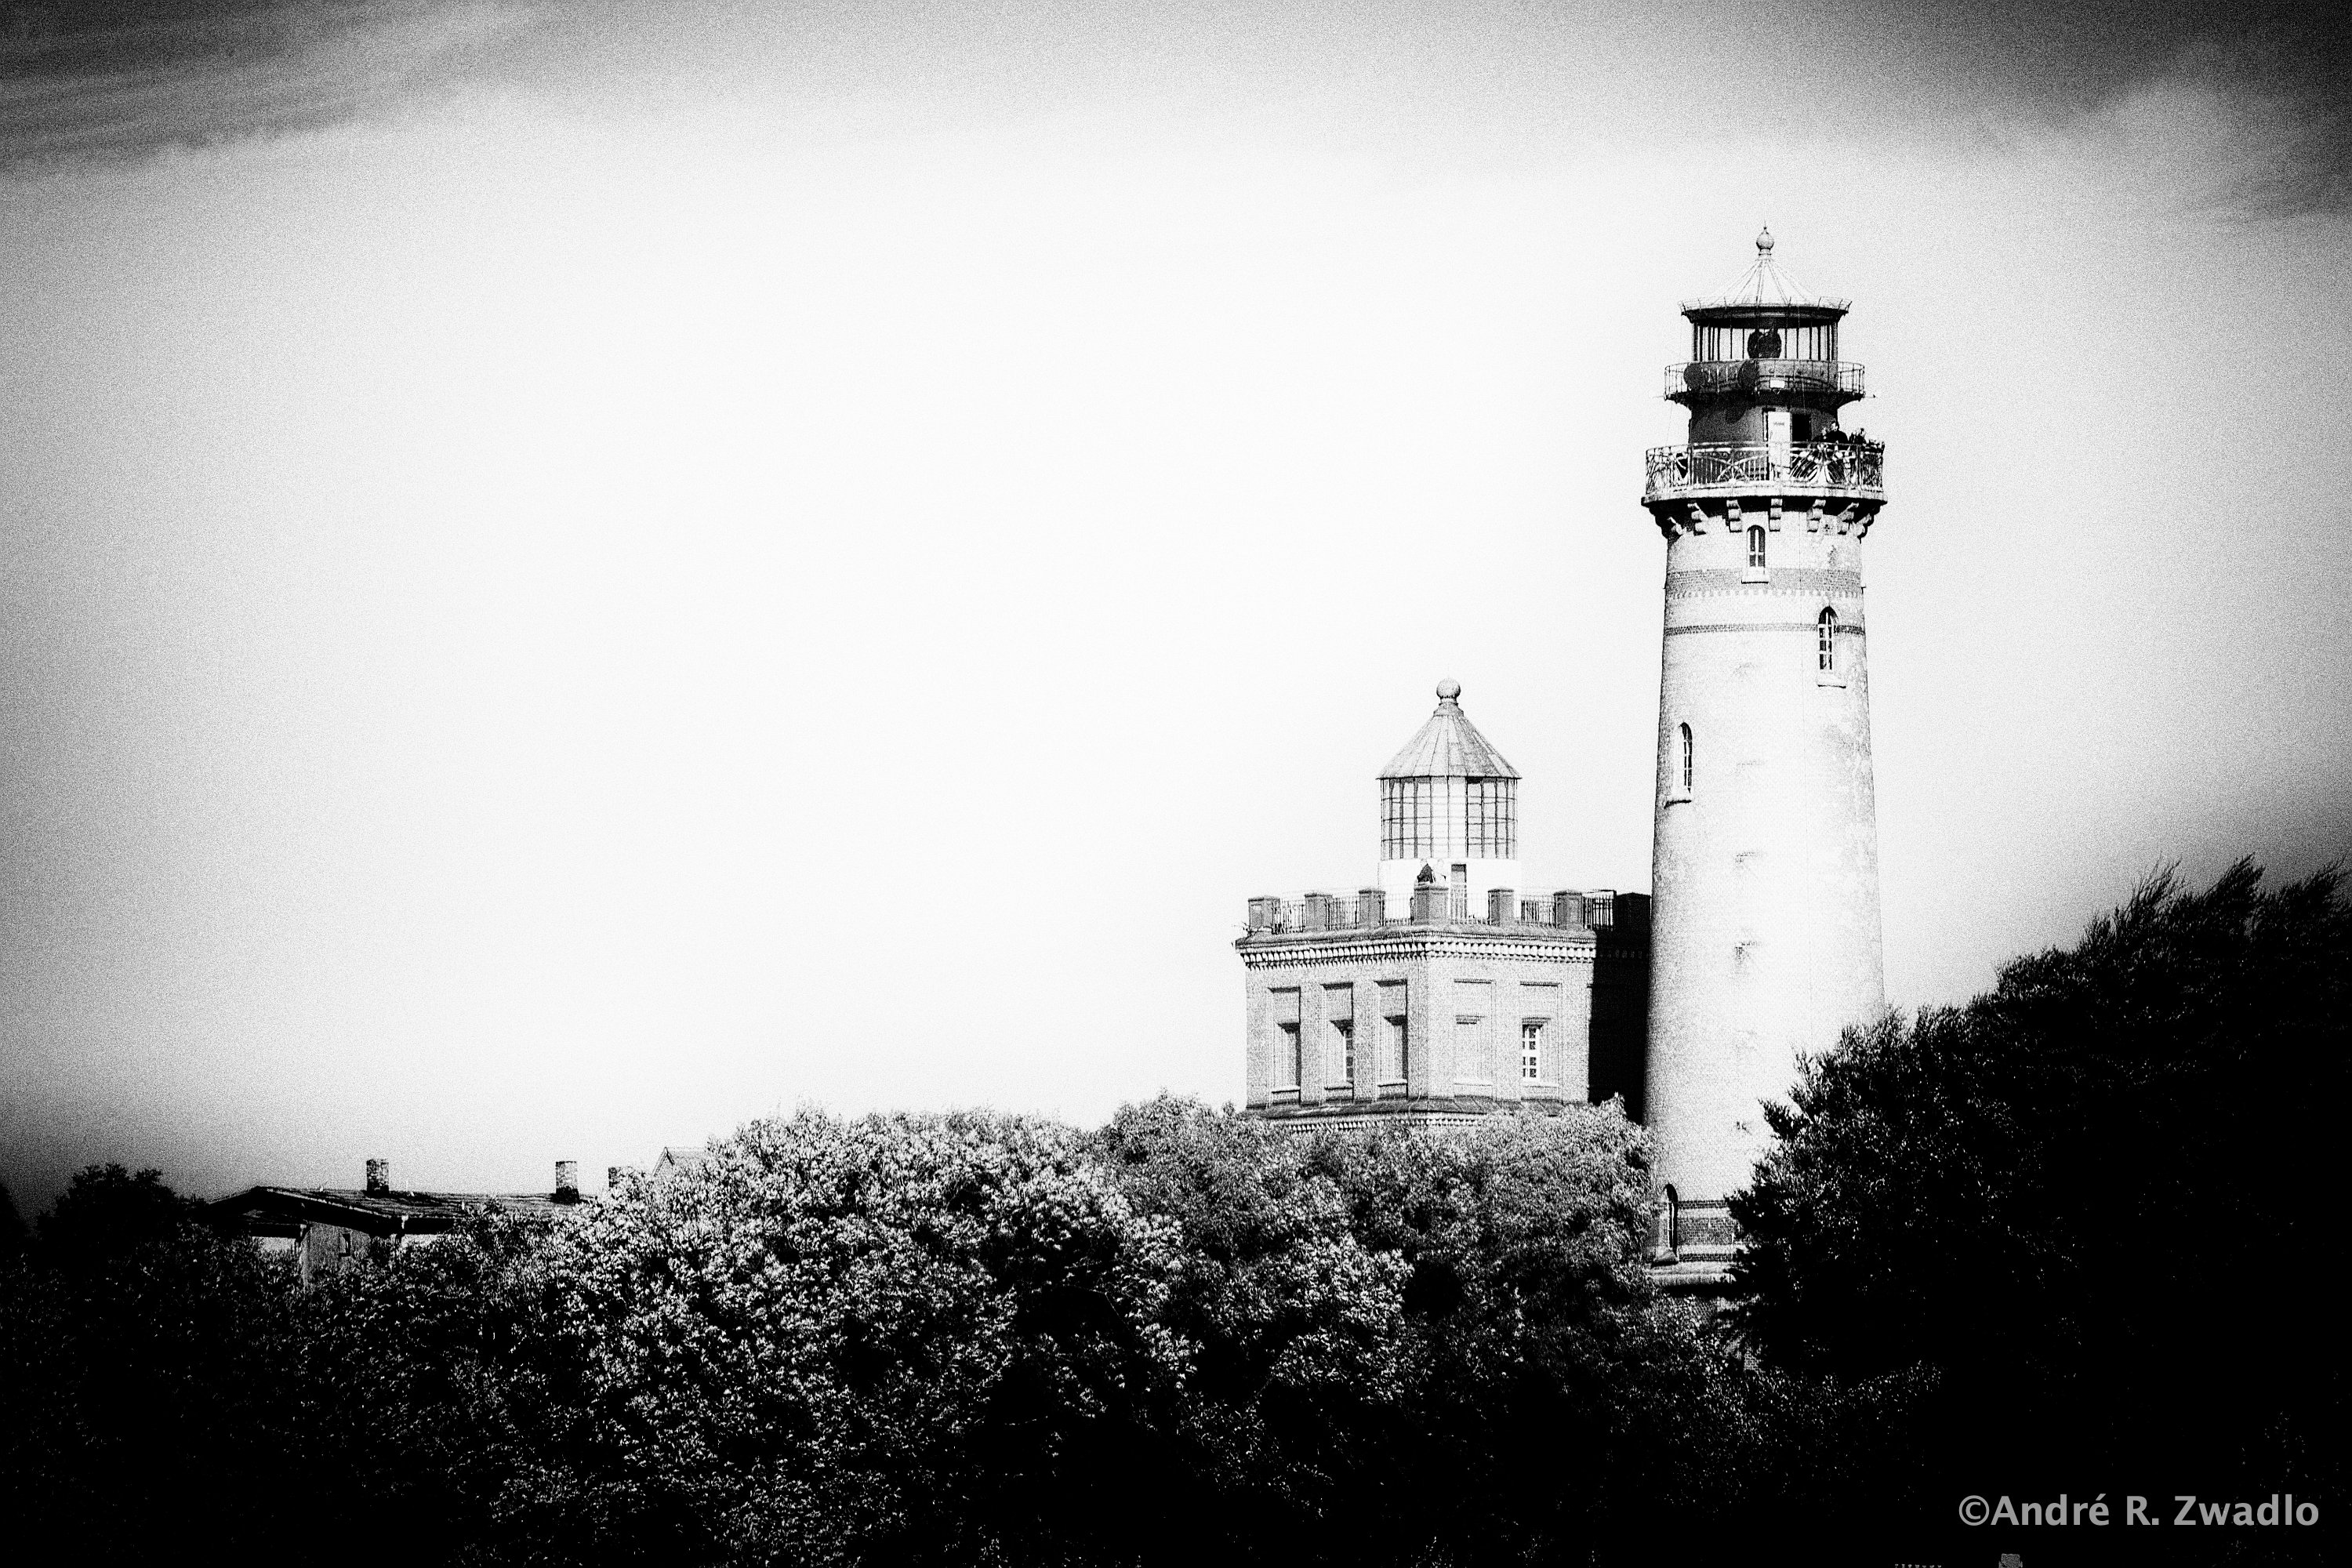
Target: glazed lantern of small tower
(1765,868)
(1449,813)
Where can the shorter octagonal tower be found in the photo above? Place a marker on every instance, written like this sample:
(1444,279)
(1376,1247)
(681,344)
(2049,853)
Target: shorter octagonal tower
(1449,810)
(1765,848)
(1440,991)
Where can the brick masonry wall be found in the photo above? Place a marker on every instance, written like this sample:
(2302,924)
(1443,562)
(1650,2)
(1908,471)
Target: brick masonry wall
(1505,975)
(1765,880)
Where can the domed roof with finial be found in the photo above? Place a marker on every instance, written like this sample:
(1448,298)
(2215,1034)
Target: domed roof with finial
(1764,289)
(1448,746)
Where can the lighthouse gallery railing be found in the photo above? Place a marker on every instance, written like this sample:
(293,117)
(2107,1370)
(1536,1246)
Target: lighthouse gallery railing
(1840,379)
(1813,464)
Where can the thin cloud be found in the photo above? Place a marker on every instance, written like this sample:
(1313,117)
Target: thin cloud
(124,77)
(2282,67)
(92,78)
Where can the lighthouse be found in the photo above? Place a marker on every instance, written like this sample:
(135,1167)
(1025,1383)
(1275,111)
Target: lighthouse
(1765,921)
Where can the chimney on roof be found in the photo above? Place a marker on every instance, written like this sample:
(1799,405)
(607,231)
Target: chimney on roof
(379,1175)
(567,1181)
(1429,898)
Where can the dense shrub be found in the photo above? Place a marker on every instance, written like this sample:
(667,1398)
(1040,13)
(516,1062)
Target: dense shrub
(2085,1205)
(141,1373)
(1190,1336)
(1417,1348)
(902,1339)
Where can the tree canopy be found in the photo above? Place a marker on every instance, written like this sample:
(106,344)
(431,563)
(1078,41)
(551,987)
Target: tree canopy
(2029,1245)
(2087,1203)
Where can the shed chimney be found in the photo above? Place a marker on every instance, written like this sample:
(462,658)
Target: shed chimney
(379,1175)
(567,1181)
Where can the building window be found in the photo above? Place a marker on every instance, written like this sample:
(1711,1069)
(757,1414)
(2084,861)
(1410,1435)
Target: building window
(1531,1051)
(1287,1058)
(1494,822)
(1686,759)
(1343,1046)
(1406,820)
(1755,548)
(1828,637)
(1398,1052)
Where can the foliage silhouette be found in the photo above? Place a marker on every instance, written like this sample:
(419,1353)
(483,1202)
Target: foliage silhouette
(2078,1204)
(987,1339)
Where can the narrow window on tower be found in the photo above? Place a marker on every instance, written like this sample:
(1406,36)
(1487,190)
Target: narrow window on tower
(1345,1029)
(1828,641)
(1755,548)
(1686,759)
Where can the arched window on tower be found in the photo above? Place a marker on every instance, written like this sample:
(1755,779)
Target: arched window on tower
(1686,759)
(1755,548)
(1828,639)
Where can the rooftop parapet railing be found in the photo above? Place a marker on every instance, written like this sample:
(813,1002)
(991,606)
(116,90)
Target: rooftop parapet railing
(1711,378)
(1322,911)
(1856,468)
(1315,911)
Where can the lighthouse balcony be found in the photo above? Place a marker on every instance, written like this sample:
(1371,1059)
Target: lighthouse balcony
(1854,469)
(1276,915)
(1711,380)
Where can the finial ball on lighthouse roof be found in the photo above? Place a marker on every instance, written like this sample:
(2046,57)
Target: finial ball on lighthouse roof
(1764,241)
(1448,691)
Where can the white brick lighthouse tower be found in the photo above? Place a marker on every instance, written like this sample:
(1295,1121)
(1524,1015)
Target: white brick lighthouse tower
(1764,870)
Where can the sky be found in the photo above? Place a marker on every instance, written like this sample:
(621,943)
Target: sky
(573,575)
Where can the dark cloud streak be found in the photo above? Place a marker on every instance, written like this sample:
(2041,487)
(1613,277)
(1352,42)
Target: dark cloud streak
(103,78)
(125,78)
(2288,63)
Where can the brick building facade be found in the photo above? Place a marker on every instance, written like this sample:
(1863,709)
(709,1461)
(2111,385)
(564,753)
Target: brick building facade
(1439,992)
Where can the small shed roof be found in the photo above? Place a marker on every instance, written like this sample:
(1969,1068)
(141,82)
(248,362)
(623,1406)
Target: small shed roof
(277,1211)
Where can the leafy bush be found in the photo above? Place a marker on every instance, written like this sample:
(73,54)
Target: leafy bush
(902,1339)
(2079,1204)
(1421,1349)
(140,1372)
(1191,1336)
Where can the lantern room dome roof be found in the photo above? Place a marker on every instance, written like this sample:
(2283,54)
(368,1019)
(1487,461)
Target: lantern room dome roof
(1448,746)
(1765,291)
